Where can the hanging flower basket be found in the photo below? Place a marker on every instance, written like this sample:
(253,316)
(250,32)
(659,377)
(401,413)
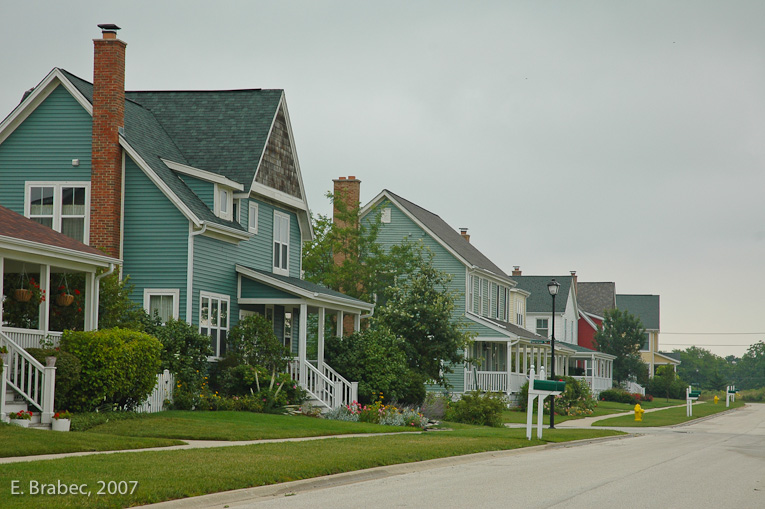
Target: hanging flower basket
(64,299)
(22,294)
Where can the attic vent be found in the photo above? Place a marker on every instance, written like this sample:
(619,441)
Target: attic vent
(385,216)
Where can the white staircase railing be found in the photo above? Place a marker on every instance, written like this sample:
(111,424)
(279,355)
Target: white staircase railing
(325,386)
(25,375)
(349,391)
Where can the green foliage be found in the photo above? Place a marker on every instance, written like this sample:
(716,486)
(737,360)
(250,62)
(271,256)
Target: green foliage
(88,420)
(705,369)
(346,257)
(17,313)
(244,380)
(420,310)
(68,369)
(254,342)
(376,359)
(666,384)
(575,400)
(751,368)
(115,308)
(751,395)
(618,396)
(119,367)
(184,350)
(478,408)
(622,335)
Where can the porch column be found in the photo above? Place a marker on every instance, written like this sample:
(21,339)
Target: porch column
(357,322)
(509,349)
(91,306)
(320,340)
(518,357)
(592,371)
(302,335)
(525,359)
(44,310)
(339,324)
(2,276)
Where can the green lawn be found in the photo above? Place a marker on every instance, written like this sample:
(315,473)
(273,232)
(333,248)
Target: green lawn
(16,441)
(668,417)
(165,475)
(234,426)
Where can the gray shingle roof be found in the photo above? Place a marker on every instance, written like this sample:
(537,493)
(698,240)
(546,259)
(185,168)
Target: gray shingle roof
(645,307)
(449,236)
(222,132)
(540,300)
(596,298)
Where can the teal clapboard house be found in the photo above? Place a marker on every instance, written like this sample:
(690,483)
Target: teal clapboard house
(199,194)
(490,303)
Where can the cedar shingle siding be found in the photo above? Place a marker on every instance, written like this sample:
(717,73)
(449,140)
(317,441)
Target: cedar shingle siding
(278,168)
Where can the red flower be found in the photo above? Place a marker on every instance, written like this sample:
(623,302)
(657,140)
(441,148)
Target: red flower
(76,291)
(62,287)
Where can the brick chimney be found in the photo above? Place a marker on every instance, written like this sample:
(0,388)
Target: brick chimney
(464,233)
(517,270)
(346,192)
(108,118)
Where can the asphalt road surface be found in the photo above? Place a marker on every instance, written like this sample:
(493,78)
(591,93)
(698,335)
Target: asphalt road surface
(716,463)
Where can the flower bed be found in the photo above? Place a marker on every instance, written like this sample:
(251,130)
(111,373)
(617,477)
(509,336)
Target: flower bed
(378,413)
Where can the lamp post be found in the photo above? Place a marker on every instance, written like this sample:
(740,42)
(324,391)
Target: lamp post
(553,287)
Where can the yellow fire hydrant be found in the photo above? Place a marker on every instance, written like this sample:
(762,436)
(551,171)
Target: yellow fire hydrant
(638,413)
(716,399)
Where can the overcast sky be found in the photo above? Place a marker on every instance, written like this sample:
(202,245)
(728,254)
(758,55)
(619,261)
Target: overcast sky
(623,140)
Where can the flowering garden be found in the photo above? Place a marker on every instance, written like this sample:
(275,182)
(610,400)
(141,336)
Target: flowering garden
(379,413)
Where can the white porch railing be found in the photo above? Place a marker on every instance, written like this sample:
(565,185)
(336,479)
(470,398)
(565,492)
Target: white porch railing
(30,338)
(349,391)
(597,384)
(634,387)
(487,381)
(25,375)
(331,389)
(163,391)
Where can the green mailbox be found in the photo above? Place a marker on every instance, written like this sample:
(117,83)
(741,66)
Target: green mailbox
(549,385)
(695,394)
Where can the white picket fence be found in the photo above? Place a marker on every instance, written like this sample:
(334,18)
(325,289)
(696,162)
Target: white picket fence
(163,391)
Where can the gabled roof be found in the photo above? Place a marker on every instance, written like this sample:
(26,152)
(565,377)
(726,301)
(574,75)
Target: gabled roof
(645,307)
(583,352)
(540,300)
(17,227)
(596,298)
(441,232)
(221,132)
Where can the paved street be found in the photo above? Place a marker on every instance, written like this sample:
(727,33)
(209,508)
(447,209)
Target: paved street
(719,462)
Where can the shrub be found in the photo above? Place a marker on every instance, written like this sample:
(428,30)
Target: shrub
(254,342)
(435,405)
(68,369)
(244,380)
(86,421)
(119,367)
(184,350)
(375,358)
(618,396)
(477,408)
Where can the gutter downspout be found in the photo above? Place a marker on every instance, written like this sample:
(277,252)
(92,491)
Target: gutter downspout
(190,269)
(97,293)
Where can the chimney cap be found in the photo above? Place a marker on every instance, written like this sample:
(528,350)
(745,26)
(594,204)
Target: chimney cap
(463,230)
(108,27)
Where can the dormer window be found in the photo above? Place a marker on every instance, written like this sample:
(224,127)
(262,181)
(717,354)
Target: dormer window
(224,202)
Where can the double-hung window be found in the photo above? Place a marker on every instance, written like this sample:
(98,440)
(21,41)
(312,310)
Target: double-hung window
(162,302)
(213,320)
(281,243)
(252,218)
(543,328)
(63,206)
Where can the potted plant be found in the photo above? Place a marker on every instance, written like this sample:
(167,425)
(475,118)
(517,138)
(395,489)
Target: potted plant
(61,421)
(21,418)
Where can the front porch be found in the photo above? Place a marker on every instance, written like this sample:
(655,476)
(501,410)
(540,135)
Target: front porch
(502,365)
(49,284)
(303,313)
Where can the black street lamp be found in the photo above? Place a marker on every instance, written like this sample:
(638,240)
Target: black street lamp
(553,287)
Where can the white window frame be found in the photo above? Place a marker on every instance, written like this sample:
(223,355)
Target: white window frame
(220,298)
(283,243)
(252,217)
(537,327)
(175,293)
(57,205)
(519,314)
(228,212)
